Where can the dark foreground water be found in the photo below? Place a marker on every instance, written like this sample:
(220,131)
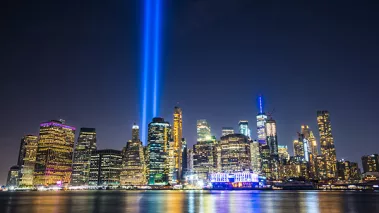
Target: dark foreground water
(189,201)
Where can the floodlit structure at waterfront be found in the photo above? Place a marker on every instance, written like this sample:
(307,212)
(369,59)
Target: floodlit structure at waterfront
(236,180)
(54,154)
(85,145)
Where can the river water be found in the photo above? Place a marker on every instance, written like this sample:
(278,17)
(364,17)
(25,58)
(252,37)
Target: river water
(189,201)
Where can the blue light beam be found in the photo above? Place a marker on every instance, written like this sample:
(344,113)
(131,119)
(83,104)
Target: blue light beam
(151,63)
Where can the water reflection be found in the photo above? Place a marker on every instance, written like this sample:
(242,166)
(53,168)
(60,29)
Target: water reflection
(189,201)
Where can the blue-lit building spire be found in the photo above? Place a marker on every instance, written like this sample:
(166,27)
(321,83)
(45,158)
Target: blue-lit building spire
(261,122)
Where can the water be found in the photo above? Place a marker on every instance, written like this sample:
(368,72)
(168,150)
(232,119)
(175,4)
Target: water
(189,201)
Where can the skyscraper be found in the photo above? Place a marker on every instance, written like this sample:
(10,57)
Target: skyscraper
(227,131)
(272,138)
(27,168)
(203,130)
(313,144)
(105,168)
(370,163)
(85,145)
(54,153)
(298,149)
(184,158)
(21,152)
(327,143)
(261,123)
(177,133)
(255,157)
(283,153)
(204,158)
(244,128)
(159,136)
(133,163)
(235,153)
(13,179)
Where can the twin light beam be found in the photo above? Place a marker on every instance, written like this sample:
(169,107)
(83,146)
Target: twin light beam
(151,63)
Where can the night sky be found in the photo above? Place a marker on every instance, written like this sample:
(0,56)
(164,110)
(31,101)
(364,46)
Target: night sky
(81,62)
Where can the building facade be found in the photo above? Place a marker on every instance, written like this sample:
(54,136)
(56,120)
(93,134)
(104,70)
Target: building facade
(255,157)
(105,168)
(133,163)
(27,168)
(227,131)
(244,128)
(159,137)
(370,163)
(272,137)
(85,145)
(235,153)
(203,130)
(261,123)
(328,149)
(204,158)
(177,134)
(54,154)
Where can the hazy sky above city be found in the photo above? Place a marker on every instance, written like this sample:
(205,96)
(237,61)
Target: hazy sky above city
(80,61)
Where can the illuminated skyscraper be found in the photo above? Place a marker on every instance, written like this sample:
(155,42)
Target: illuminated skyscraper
(235,153)
(21,152)
(255,157)
(204,158)
(177,134)
(54,153)
(320,166)
(203,130)
(313,143)
(265,160)
(13,179)
(105,168)
(298,149)
(283,153)
(184,158)
(244,128)
(261,123)
(327,143)
(85,145)
(227,131)
(133,165)
(27,168)
(272,138)
(370,163)
(158,152)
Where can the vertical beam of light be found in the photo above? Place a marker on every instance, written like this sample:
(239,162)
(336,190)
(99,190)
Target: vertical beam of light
(156,56)
(146,55)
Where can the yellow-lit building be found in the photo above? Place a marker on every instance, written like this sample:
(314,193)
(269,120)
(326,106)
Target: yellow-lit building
(54,153)
(27,169)
(133,163)
(327,144)
(177,134)
(235,153)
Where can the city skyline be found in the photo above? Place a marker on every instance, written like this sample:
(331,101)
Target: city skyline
(89,76)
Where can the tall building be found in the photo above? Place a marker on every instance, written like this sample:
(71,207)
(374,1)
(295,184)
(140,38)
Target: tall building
(298,148)
(283,153)
(133,163)
(272,137)
(320,166)
(27,168)
(327,143)
(313,143)
(159,136)
(255,157)
(261,123)
(13,179)
(265,160)
(370,163)
(203,130)
(204,158)
(105,168)
(85,145)
(227,131)
(244,128)
(54,153)
(343,170)
(21,152)
(184,158)
(177,134)
(235,153)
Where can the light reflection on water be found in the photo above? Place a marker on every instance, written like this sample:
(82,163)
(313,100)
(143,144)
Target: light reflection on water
(189,201)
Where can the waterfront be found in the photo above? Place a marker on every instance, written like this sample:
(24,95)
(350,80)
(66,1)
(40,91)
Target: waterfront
(188,201)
